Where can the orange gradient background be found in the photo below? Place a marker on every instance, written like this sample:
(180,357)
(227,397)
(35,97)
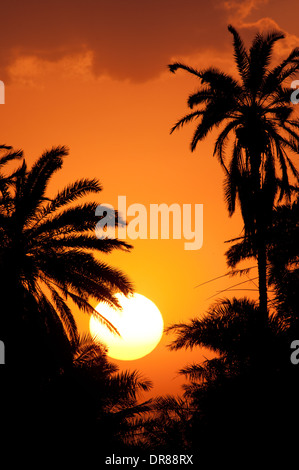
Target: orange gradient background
(93,76)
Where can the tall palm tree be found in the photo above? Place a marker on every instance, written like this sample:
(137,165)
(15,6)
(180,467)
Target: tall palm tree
(49,255)
(255,113)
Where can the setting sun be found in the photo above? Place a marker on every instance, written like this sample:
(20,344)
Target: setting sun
(139,323)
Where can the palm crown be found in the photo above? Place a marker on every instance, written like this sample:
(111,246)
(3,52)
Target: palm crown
(48,248)
(256,113)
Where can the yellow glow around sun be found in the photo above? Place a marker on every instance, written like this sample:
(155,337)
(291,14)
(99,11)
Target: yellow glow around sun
(139,323)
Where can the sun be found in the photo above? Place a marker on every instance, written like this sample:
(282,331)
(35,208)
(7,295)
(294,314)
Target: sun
(139,323)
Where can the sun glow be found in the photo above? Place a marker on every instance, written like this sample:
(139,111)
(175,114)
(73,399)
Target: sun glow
(139,323)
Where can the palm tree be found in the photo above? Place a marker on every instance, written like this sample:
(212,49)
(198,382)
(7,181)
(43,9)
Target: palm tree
(230,329)
(256,115)
(283,259)
(88,397)
(167,428)
(49,256)
(99,396)
(282,265)
(248,380)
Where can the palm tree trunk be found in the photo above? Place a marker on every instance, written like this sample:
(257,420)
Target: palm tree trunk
(262,275)
(261,218)
(261,246)
(261,358)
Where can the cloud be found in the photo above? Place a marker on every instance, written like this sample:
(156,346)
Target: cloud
(130,39)
(283,47)
(239,10)
(266,24)
(31,70)
(249,17)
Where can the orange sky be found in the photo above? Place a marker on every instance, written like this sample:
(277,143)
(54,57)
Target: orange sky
(93,76)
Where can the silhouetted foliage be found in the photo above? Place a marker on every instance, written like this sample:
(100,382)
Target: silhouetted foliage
(245,395)
(256,117)
(282,255)
(61,393)
(47,256)
(55,382)
(101,399)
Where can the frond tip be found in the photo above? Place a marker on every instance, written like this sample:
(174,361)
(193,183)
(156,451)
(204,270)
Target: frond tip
(178,65)
(173,67)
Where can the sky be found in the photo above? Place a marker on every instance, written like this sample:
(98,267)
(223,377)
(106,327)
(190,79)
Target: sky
(92,75)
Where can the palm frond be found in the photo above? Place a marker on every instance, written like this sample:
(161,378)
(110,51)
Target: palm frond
(69,194)
(84,241)
(219,148)
(178,65)
(186,119)
(66,315)
(201,96)
(259,57)
(9,155)
(278,74)
(38,177)
(240,54)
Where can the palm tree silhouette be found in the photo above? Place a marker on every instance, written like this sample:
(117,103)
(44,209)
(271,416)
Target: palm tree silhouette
(248,380)
(283,263)
(282,266)
(47,255)
(256,115)
(229,329)
(103,397)
(87,397)
(167,428)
